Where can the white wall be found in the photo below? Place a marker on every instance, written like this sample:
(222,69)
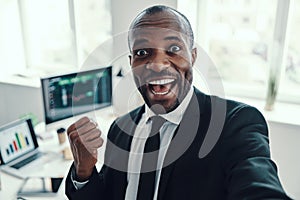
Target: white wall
(285,148)
(123,12)
(17,100)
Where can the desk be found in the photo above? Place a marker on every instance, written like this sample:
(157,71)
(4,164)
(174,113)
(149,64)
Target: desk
(11,184)
(59,167)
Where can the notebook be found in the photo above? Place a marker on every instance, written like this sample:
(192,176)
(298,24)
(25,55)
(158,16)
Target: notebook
(19,150)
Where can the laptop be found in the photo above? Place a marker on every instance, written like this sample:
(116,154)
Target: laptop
(20,155)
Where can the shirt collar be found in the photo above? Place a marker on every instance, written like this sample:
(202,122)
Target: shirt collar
(176,115)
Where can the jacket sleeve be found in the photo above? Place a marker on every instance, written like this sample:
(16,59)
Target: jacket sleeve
(250,172)
(94,189)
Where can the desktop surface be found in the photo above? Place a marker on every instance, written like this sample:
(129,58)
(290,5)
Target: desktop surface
(10,184)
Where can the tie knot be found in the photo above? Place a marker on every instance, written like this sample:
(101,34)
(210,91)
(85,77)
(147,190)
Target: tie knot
(157,122)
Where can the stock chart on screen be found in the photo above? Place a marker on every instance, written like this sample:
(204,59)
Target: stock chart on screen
(67,95)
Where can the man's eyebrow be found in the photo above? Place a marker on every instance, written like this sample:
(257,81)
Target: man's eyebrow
(143,41)
(139,42)
(173,38)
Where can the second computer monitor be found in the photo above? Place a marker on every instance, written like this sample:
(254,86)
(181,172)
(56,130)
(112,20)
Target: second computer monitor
(72,94)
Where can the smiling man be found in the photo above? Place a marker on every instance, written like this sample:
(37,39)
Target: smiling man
(153,152)
(162,58)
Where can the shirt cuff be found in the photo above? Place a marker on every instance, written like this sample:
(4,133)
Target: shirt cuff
(78,185)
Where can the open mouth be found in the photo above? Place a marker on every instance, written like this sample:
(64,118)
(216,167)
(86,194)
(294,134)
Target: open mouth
(161,86)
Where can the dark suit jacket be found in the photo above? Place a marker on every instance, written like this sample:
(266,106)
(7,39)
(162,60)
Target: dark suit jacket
(220,151)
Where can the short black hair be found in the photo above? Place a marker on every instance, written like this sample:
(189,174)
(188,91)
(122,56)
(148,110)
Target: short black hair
(160,8)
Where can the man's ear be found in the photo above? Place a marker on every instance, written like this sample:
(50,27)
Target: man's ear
(194,55)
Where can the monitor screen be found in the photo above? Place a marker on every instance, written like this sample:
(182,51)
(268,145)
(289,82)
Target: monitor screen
(67,95)
(16,139)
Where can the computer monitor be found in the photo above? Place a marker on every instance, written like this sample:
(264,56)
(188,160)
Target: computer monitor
(71,94)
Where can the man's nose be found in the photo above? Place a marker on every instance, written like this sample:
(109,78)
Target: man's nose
(159,61)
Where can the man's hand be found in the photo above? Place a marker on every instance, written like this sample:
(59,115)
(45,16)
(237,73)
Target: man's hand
(84,138)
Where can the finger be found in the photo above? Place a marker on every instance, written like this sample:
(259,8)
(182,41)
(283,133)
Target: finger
(92,121)
(88,140)
(78,124)
(91,135)
(87,128)
(92,146)
(72,136)
(81,132)
(95,144)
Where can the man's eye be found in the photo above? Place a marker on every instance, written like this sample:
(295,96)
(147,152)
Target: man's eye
(141,52)
(174,49)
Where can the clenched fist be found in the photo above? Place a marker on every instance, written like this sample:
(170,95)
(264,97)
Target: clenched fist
(84,138)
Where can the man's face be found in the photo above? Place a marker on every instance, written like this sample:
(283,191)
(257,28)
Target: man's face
(161,61)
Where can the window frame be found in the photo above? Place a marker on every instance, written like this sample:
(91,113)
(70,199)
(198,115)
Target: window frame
(276,63)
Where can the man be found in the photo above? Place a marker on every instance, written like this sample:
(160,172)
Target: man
(237,162)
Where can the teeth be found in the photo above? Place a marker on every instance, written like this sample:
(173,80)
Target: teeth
(160,93)
(161,82)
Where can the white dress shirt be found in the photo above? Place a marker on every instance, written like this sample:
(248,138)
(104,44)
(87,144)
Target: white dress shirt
(138,142)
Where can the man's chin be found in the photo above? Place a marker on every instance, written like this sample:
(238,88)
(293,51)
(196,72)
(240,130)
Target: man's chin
(162,105)
(158,108)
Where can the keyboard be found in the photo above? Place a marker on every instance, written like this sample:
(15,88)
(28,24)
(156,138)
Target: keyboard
(26,161)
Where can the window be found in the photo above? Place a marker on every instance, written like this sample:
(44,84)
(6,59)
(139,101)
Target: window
(240,32)
(51,35)
(47,34)
(290,87)
(241,36)
(11,46)
(93,25)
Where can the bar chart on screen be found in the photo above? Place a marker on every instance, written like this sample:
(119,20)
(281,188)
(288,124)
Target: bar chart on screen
(16,141)
(19,143)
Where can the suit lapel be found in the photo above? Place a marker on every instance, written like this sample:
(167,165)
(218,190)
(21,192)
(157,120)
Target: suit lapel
(135,116)
(126,128)
(118,148)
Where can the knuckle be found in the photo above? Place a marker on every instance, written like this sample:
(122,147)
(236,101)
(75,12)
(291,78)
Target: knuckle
(92,124)
(101,141)
(72,136)
(97,132)
(70,129)
(83,119)
(77,141)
